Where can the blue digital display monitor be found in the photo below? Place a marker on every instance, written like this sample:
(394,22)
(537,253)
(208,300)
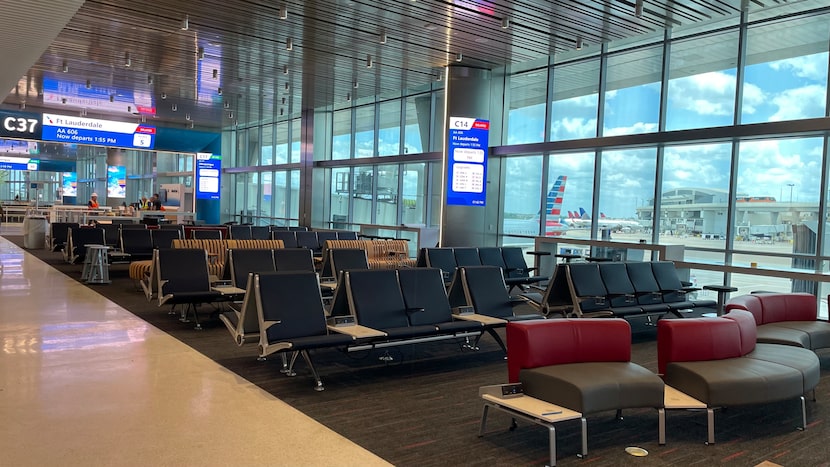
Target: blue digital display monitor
(80,130)
(116,181)
(208,175)
(69,183)
(97,97)
(18,163)
(467,145)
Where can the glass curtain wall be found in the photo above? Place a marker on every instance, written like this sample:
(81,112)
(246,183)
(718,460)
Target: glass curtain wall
(692,137)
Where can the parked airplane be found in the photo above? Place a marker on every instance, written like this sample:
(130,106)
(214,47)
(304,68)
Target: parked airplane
(583,220)
(554,227)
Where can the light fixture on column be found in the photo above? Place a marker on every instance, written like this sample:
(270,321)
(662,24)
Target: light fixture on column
(289,44)
(174,107)
(65,67)
(505,22)
(578,43)
(638,8)
(128,59)
(215,73)
(283,12)
(382,37)
(459,57)
(369,62)
(200,52)
(88,84)
(185,23)
(285,69)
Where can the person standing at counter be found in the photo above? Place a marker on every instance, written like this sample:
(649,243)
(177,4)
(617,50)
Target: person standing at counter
(93,201)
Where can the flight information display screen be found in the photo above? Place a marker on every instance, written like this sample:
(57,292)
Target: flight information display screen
(467,145)
(80,130)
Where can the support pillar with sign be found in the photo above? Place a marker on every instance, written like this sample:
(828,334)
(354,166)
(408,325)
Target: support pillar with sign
(467,209)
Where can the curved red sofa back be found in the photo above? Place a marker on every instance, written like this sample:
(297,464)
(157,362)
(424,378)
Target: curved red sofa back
(533,344)
(775,307)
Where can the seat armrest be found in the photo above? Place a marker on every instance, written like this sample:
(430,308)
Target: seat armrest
(414,310)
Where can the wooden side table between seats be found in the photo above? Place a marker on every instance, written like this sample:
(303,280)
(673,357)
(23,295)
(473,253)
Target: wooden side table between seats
(535,411)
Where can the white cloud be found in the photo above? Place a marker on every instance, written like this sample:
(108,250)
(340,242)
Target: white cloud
(798,103)
(812,67)
(706,93)
(637,128)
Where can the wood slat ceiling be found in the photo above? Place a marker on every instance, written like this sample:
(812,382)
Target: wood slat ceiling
(332,40)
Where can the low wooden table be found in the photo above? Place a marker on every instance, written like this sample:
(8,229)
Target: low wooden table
(535,411)
(357,331)
(676,400)
(483,319)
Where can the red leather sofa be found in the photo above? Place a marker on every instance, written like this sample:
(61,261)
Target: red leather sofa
(581,364)
(718,362)
(785,318)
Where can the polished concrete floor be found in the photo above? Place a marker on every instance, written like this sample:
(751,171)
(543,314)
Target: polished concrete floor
(84,382)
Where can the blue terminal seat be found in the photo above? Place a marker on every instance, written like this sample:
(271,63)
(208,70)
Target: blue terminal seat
(296,329)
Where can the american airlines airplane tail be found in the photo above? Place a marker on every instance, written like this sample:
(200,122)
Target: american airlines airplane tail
(553,207)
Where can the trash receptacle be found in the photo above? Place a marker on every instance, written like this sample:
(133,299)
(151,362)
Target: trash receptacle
(34,232)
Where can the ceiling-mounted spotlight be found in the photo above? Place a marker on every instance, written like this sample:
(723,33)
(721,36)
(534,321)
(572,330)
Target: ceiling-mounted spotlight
(83,112)
(369,62)
(22,106)
(227,105)
(65,67)
(174,107)
(230,114)
(149,79)
(289,44)
(112,97)
(578,43)
(382,38)
(505,22)
(283,101)
(190,125)
(439,76)
(143,119)
(283,12)
(200,52)
(219,91)
(355,84)
(348,96)
(88,84)
(187,116)
(129,109)
(163,96)
(128,60)
(185,23)
(215,73)
(459,57)
(285,69)
(63,100)
(638,8)
(282,111)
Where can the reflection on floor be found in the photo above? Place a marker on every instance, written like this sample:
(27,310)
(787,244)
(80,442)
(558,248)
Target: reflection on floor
(84,382)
